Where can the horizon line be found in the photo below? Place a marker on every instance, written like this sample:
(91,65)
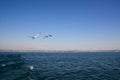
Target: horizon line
(12,50)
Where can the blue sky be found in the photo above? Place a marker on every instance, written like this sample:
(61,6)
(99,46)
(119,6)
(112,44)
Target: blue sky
(74,24)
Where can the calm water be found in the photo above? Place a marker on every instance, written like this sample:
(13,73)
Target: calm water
(60,66)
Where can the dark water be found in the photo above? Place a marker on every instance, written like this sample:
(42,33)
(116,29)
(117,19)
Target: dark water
(60,66)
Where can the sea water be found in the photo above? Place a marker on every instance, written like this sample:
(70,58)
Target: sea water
(60,65)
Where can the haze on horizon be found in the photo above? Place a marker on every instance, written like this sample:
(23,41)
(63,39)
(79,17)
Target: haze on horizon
(74,24)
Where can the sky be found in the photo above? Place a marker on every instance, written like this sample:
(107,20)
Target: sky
(74,24)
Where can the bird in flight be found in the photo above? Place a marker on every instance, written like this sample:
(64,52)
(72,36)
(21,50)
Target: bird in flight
(36,36)
(47,36)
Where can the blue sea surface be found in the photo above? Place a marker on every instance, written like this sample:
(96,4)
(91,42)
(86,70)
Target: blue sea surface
(60,65)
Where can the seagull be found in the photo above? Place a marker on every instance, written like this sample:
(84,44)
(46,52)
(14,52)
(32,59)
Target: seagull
(34,37)
(47,36)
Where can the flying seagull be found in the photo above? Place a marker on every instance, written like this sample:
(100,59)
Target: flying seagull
(47,36)
(34,37)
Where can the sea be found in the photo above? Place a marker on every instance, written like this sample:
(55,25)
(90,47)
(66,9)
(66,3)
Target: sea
(59,65)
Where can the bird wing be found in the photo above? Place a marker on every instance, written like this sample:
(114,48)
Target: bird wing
(37,35)
(50,35)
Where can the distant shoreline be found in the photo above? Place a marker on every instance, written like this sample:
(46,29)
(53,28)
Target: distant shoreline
(45,51)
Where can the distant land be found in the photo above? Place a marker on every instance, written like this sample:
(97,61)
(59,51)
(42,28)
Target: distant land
(12,50)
